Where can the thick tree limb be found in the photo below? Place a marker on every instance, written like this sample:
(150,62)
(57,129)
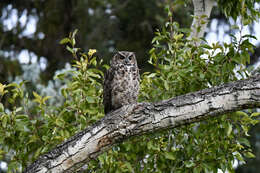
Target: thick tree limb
(148,117)
(202,10)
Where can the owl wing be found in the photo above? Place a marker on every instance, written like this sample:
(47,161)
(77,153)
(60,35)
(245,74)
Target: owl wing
(107,89)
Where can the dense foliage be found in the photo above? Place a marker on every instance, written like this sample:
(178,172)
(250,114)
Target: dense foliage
(30,127)
(49,21)
(31,123)
(33,126)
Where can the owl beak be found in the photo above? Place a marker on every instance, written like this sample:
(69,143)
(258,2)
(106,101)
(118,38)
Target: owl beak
(127,61)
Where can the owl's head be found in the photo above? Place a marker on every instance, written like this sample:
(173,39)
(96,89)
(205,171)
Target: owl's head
(125,58)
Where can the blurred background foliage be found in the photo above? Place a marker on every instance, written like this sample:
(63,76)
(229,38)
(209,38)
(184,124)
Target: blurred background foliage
(30,32)
(107,26)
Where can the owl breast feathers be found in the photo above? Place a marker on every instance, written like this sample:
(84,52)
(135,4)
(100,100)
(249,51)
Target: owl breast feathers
(121,84)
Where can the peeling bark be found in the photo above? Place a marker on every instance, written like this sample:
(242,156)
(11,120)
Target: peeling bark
(142,118)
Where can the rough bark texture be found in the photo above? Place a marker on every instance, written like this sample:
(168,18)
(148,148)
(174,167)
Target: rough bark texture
(148,117)
(202,10)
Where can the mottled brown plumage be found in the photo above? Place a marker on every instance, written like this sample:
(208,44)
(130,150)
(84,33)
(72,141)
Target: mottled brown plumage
(121,84)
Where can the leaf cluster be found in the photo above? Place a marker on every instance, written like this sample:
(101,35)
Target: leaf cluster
(240,8)
(32,126)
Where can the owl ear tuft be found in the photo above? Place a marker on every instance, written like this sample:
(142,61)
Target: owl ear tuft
(120,53)
(114,52)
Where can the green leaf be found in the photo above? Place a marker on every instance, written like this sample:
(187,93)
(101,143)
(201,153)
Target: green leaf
(60,122)
(60,76)
(74,33)
(189,164)
(151,75)
(90,99)
(45,98)
(13,166)
(1,107)
(202,75)
(206,46)
(22,116)
(65,40)
(64,92)
(240,113)
(45,149)
(249,36)
(45,138)
(18,109)
(38,152)
(244,141)
(233,27)
(177,37)
(229,130)
(129,166)
(166,85)
(83,118)
(2,87)
(106,66)
(15,85)
(73,42)
(33,139)
(249,155)
(70,49)
(197,170)
(38,98)
(93,61)
(255,114)
(4,119)
(170,156)
(151,146)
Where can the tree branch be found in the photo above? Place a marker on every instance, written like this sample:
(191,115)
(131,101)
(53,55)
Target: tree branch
(142,118)
(202,10)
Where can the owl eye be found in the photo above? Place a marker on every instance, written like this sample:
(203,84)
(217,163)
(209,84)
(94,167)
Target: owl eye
(121,57)
(130,58)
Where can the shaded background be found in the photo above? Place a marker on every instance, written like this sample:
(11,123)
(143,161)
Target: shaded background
(30,32)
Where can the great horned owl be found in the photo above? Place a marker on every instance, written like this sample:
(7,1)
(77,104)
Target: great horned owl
(121,84)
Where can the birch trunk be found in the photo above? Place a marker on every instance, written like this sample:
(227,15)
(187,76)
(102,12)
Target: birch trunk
(202,10)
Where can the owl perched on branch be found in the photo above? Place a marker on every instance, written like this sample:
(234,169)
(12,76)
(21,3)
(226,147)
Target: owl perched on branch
(121,84)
